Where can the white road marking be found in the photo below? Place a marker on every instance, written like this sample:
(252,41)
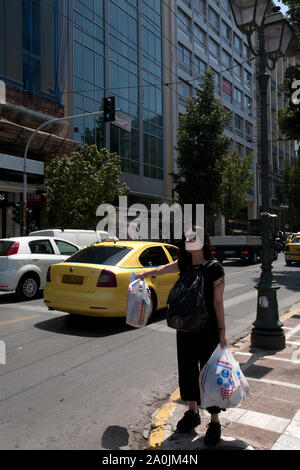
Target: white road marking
(275,382)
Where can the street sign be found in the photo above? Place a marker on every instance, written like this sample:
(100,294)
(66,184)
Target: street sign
(123,121)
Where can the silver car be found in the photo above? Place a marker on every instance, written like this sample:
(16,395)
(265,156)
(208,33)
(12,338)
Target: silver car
(24,262)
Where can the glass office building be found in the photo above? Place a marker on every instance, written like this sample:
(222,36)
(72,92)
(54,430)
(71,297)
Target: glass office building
(118,51)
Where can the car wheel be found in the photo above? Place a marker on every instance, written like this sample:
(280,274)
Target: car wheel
(28,286)
(153,305)
(288,263)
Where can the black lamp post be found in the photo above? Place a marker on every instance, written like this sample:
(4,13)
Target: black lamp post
(274,36)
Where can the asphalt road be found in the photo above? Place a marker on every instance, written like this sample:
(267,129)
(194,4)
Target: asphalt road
(84,383)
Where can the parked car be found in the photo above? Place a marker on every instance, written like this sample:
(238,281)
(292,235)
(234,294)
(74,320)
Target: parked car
(292,251)
(95,281)
(81,238)
(24,262)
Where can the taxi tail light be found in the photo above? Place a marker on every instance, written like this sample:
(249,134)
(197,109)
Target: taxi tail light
(13,250)
(107,279)
(48,277)
(245,252)
(213,252)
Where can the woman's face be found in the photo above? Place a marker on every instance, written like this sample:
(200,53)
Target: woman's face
(193,242)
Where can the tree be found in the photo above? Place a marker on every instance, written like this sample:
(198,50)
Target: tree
(289,193)
(289,118)
(202,148)
(236,180)
(78,184)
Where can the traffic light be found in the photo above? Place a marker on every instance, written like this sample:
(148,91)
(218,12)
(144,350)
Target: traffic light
(18,212)
(109,109)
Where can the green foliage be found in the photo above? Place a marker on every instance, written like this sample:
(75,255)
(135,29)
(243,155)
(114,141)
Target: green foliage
(289,118)
(202,148)
(289,193)
(236,180)
(78,184)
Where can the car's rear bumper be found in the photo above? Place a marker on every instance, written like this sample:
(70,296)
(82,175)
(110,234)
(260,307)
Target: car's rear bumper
(292,257)
(107,303)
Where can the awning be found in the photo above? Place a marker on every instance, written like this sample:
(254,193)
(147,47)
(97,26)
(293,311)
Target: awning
(14,137)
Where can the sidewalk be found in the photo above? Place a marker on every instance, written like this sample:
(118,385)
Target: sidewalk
(268,420)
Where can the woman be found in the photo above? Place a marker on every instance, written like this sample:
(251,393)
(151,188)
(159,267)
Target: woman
(198,346)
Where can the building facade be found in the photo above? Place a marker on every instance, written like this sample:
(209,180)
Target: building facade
(203,34)
(117,49)
(33,71)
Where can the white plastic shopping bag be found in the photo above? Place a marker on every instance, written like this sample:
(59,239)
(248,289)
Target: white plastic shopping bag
(222,382)
(138,306)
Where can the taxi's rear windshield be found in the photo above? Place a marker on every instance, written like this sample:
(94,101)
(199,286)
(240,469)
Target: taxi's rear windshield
(4,247)
(107,255)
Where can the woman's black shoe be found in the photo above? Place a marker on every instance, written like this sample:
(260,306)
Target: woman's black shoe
(189,421)
(213,434)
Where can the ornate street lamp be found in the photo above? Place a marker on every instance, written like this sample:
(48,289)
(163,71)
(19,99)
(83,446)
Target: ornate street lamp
(274,36)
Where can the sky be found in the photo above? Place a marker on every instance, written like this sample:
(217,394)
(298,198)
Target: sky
(284,8)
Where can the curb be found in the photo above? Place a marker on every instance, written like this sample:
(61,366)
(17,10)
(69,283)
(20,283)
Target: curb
(161,416)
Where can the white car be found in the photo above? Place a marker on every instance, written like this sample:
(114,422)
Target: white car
(81,238)
(24,262)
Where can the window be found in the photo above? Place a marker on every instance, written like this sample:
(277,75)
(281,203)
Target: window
(184,90)
(227,87)
(200,6)
(238,122)
(238,95)
(226,58)
(239,148)
(248,103)
(108,255)
(154,256)
(213,47)
(200,34)
(66,248)
(173,252)
(217,79)
(184,58)
(248,129)
(42,247)
(200,66)
(238,70)
(226,31)
(213,19)
(184,24)
(237,42)
(248,79)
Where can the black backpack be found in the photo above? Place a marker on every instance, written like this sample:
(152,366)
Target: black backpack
(186,308)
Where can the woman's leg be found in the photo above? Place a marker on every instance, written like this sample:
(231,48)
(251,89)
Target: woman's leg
(193,406)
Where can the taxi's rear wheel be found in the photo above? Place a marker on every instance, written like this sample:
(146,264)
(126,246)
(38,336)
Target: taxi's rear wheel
(153,305)
(288,263)
(28,286)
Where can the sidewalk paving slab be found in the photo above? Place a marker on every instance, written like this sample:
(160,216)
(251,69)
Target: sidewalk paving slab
(267,420)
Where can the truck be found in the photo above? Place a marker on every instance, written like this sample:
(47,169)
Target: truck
(243,243)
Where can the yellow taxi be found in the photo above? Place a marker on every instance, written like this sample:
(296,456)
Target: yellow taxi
(94,281)
(292,251)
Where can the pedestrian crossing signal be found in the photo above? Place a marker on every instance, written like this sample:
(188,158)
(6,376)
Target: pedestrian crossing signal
(109,109)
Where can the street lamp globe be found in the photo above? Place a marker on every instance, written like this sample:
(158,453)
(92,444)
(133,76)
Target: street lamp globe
(278,34)
(249,14)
